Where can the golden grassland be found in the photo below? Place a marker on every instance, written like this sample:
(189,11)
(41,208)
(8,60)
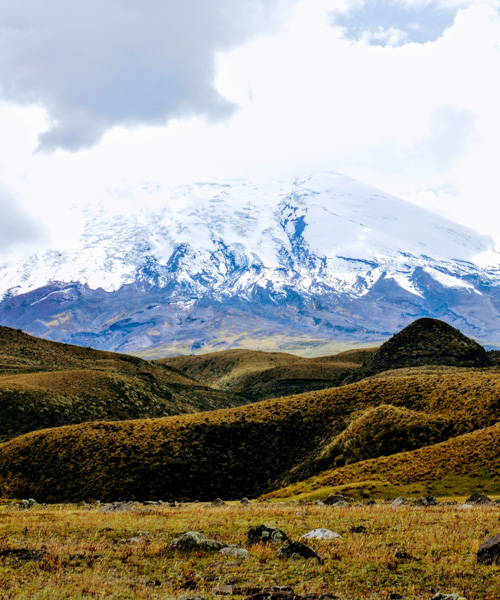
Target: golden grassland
(464,464)
(252,449)
(258,375)
(46,384)
(84,553)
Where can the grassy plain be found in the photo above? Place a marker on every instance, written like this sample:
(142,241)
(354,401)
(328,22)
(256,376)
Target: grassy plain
(81,553)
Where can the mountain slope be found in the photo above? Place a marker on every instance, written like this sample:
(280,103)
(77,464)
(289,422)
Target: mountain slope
(243,451)
(304,266)
(47,384)
(258,375)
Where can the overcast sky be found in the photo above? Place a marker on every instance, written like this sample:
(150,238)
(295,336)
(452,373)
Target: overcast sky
(99,96)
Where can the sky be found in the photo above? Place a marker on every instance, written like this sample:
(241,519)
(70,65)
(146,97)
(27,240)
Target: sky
(98,97)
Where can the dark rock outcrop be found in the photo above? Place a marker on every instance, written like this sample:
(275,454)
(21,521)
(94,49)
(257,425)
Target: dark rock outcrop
(266,533)
(297,550)
(477,498)
(489,551)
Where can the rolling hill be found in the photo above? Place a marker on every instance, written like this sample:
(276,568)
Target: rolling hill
(248,450)
(48,384)
(259,375)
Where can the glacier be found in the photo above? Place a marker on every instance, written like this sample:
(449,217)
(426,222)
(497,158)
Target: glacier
(304,266)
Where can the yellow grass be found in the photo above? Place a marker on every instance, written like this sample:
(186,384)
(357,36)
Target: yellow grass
(125,555)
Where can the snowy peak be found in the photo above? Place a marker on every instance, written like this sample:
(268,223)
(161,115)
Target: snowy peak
(322,237)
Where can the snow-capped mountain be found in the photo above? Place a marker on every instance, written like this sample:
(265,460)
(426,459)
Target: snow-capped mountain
(319,261)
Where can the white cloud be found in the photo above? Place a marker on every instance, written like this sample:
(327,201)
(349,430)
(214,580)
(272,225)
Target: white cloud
(94,64)
(416,119)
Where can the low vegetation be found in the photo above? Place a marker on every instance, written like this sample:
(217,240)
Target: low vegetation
(46,384)
(260,375)
(249,450)
(81,552)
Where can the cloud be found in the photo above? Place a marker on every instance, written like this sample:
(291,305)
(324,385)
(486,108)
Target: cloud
(396,22)
(16,227)
(95,64)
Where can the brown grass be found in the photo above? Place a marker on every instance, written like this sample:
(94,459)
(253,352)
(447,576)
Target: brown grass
(91,554)
(46,384)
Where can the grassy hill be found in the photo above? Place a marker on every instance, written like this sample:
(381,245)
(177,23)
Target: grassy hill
(259,375)
(252,449)
(459,466)
(48,384)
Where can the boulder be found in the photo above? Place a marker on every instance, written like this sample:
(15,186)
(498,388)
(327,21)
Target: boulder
(489,551)
(235,552)
(194,540)
(320,534)
(266,533)
(399,502)
(477,498)
(218,502)
(335,499)
(429,501)
(440,596)
(297,550)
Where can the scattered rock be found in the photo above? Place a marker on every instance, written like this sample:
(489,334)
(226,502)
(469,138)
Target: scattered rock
(429,501)
(320,534)
(194,540)
(399,502)
(186,597)
(370,502)
(477,498)
(440,596)
(218,502)
(266,533)
(297,550)
(319,503)
(489,551)
(335,499)
(117,506)
(466,506)
(449,503)
(285,592)
(272,594)
(235,552)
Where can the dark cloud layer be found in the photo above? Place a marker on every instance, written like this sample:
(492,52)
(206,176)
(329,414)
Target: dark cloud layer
(420,21)
(16,227)
(94,64)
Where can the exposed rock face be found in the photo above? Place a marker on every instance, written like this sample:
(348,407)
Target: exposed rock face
(489,551)
(426,342)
